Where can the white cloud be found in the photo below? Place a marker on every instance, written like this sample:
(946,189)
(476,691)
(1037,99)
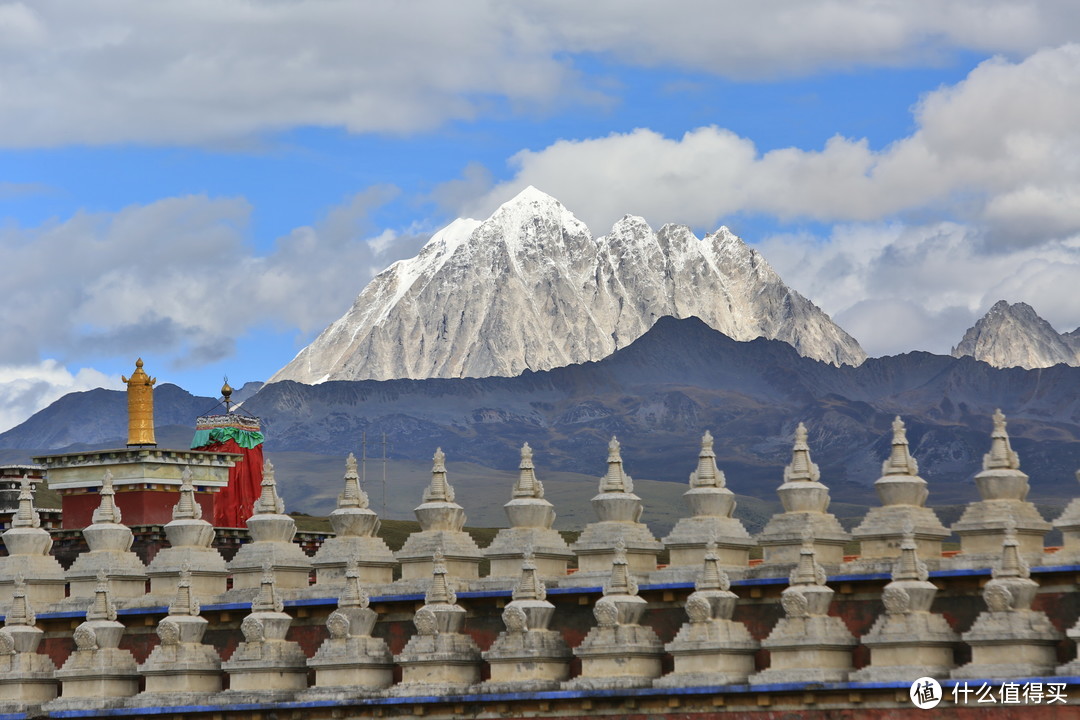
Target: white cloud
(1000,149)
(177,277)
(203,71)
(25,389)
(897,288)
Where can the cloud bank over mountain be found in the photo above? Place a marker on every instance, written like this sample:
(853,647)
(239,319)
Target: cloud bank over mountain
(210,183)
(201,72)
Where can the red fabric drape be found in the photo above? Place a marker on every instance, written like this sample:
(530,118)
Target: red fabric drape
(232,505)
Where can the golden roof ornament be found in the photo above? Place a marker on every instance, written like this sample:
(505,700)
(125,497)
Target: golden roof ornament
(140,397)
(226,393)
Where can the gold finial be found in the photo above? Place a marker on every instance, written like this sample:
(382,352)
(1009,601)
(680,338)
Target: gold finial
(226,392)
(140,397)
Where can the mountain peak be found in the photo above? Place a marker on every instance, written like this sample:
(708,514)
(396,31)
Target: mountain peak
(1014,335)
(530,202)
(532,194)
(531,288)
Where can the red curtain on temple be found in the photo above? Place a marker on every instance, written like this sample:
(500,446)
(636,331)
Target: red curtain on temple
(238,434)
(232,506)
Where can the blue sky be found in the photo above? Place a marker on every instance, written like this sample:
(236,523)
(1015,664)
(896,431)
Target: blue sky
(209,184)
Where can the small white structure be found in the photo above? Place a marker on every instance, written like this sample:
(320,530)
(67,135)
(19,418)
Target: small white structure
(98,670)
(440,659)
(266,661)
(531,518)
(28,545)
(805,500)
(807,644)
(441,522)
(619,652)
(191,542)
(350,658)
(1003,489)
(1010,639)
(110,553)
(181,663)
(711,519)
(528,655)
(618,512)
(908,642)
(711,649)
(903,501)
(356,539)
(26,677)
(272,533)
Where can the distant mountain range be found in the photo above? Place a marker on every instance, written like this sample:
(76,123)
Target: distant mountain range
(658,395)
(531,288)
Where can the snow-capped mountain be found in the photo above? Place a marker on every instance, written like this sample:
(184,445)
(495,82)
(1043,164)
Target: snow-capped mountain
(530,288)
(1015,336)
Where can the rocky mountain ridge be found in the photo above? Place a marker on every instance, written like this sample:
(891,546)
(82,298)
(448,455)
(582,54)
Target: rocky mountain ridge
(530,288)
(659,395)
(1014,335)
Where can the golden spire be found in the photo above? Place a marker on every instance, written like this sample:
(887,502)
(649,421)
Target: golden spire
(140,397)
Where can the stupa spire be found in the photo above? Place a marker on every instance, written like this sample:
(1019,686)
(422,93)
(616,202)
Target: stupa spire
(900,461)
(615,480)
(620,582)
(807,572)
(1012,563)
(527,485)
(184,603)
(353,496)
(440,592)
(529,586)
(102,608)
(269,502)
(712,577)
(106,511)
(20,612)
(801,467)
(439,490)
(1001,455)
(187,508)
(909,567)
(707,474)
(354,595)
(267,599)
(26,516)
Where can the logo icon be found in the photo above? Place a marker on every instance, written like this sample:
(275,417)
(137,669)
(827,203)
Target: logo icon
(925,693)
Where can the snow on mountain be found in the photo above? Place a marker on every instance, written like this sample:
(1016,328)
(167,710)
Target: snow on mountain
(530,288)
(1015,336)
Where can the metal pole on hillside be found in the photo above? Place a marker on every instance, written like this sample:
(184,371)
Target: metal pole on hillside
(384,474)
(363,459)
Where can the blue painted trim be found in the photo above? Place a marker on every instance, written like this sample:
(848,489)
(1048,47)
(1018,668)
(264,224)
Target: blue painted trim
(589,590)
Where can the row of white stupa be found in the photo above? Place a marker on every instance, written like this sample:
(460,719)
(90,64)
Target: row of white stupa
(1002,485)
(1008,640)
